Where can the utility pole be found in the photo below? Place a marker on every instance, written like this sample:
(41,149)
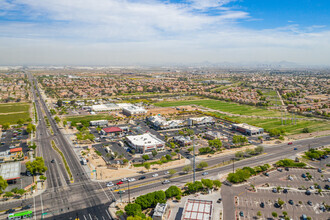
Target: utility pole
(194,161)
(129,194)
(234,165)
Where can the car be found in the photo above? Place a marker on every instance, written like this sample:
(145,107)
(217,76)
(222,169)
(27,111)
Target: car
(311,187)
(291,202)
(52,161)
(10,211)
(241,214)
(290,143)
(166,172)
(141,178)
(308,192)
(262,205)
(155,175)
(205,173)
(131,179)
(304,217)
(28,173)
(166,181)
(219,200)
(124,179)
(11,147)
(279,169)
(26,207)
(276,205)
(285,190)
(266,174)
(303,175)
(109,184)
(119,183)
(309,203)
(319,170)
(274,190)
(326,187)
(286,168)
(290,178)
(295,148)
(121,191)
(313,159)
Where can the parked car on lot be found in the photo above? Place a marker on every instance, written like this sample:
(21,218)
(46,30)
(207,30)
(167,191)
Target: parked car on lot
(291,202)
(319,170)
(279,169)
(155,175)
(219,200)
(309,203)
(290,143)
(308,192)
(295,148)
(241,214)
(262,205)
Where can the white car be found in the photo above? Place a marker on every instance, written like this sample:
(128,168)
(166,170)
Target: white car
(166,172)
(131,179)
(166,181)
(109,184)
(155,175)
(123,179)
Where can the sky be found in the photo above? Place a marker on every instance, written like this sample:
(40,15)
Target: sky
(164,32)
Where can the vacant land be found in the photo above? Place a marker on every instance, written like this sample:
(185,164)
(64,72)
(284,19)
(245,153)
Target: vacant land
(276,123)
(10,113)
(14,107)
(229,107)
(90,118)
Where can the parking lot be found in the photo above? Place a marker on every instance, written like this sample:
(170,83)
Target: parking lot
(293,191)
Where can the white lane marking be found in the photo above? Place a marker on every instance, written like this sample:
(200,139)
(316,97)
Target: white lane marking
(104,191)
(90,216)
(85,217)
(34,208)
(103,218)
(108,214)
(42,207)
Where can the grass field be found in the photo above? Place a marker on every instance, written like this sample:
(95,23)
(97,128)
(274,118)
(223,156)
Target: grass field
(14,107)
(276,123)
(11,112)
(229,107)
(90,118)
(271,95)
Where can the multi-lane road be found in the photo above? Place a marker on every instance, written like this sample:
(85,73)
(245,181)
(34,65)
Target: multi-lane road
(83,198)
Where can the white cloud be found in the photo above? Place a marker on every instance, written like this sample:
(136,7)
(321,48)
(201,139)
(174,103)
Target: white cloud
(119,31)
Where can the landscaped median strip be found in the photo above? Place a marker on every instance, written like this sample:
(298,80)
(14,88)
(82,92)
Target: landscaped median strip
(64,160)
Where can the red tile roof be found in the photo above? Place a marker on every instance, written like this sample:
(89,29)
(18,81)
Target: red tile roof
(18,149)
(112,129)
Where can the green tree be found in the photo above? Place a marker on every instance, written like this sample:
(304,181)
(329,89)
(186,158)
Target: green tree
(274,214)
(65,122)
(33,146)
(207,183)
(145,157)
(43,178)
(306,130)
(37,166)
(259,214)
(239,176)
(285,213)
(280,202)
(259,149)
(154,153)
(57,119)
(202,165)
(21,192)
(217,184)
(133,209)
(239,154)
(59,103)
(172,172)
(147,166)
(216,143)
(187,168)
(194,187)
(190,149)
(30,128)
(274,132)
(5,126)
(125,161)
(52,111)
(168,157)
(3,184)
(20,122)
(172,191)
(8,194)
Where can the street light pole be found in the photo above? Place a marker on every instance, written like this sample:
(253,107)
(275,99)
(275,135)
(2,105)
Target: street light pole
(194,161)
(129,195)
